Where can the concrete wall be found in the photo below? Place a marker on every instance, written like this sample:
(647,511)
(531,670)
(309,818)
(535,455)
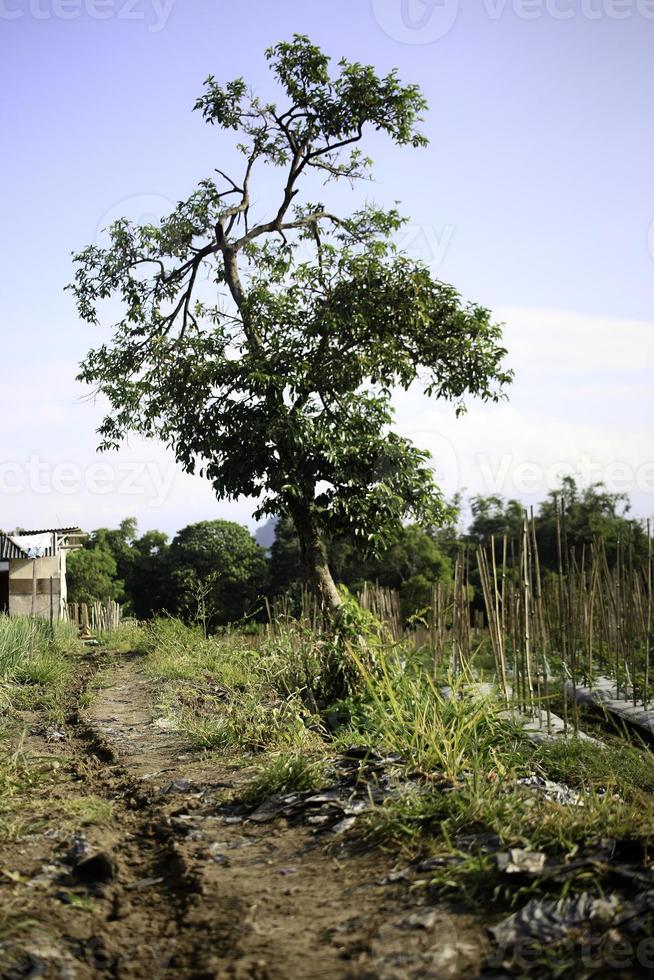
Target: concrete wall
(21,571)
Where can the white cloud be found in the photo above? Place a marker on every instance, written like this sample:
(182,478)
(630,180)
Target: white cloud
(581,402)
(556,342)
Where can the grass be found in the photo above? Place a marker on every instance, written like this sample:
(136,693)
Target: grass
(38,669)
(36,665)
(247,723)
(466,759)
(616,767)
(461,755)
(446,730)
(286,772)
(35,792)
(225,693)
(275,697)
(127,637)
(176,652)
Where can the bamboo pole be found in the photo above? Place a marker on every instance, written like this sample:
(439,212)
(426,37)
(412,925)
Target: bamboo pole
(648,630)
(562,631)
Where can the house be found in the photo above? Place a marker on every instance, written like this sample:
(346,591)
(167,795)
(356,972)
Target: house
(33,571)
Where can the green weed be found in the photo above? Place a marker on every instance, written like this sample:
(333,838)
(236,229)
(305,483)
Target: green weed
(286,772)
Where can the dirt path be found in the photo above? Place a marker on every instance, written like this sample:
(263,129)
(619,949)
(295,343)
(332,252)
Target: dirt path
(174,888)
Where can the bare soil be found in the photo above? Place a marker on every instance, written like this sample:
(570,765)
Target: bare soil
(171,887)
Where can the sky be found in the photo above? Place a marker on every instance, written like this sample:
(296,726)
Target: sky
(535,198)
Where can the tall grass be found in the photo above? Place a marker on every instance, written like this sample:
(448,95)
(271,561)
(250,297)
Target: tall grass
(228,691)
(450,730)
(461,754)
(35,662)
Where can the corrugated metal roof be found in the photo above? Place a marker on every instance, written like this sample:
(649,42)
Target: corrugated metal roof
(34,544)
(53,530)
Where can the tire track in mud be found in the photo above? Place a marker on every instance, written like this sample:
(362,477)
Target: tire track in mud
(150,929)
(190,893)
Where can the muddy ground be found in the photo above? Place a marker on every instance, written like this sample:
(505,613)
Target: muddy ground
(171,886)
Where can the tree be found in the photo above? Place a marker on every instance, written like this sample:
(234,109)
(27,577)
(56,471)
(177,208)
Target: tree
(414,553)
(118,543)
(286,572)
(412,563)
(495,516)
(149,587)
(589,514)
(218,571)
(91,575)
(268,370)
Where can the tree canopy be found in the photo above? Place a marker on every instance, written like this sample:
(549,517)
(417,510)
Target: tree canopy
(218,571)
(91,575)
(218,567)
(264,350)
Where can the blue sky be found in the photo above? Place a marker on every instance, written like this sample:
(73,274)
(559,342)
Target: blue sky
(535,197)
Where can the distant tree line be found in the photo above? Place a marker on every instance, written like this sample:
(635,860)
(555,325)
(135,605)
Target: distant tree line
(215,572)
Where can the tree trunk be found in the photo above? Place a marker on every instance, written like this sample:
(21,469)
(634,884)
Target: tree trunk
(314,553)
(316,564)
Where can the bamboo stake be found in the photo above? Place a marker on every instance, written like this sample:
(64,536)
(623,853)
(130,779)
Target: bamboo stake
(648,631)
(559,549)
(541,621)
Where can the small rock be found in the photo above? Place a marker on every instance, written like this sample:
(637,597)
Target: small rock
(432,863)
(216,853)
(165,723)
(268,811)
(52,735)
(221,859)
(356,807)
(47,874)
(424,919)
(343,825)
(78,849)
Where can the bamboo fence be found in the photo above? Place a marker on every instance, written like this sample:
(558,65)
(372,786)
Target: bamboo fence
(95,616)
(542,635)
